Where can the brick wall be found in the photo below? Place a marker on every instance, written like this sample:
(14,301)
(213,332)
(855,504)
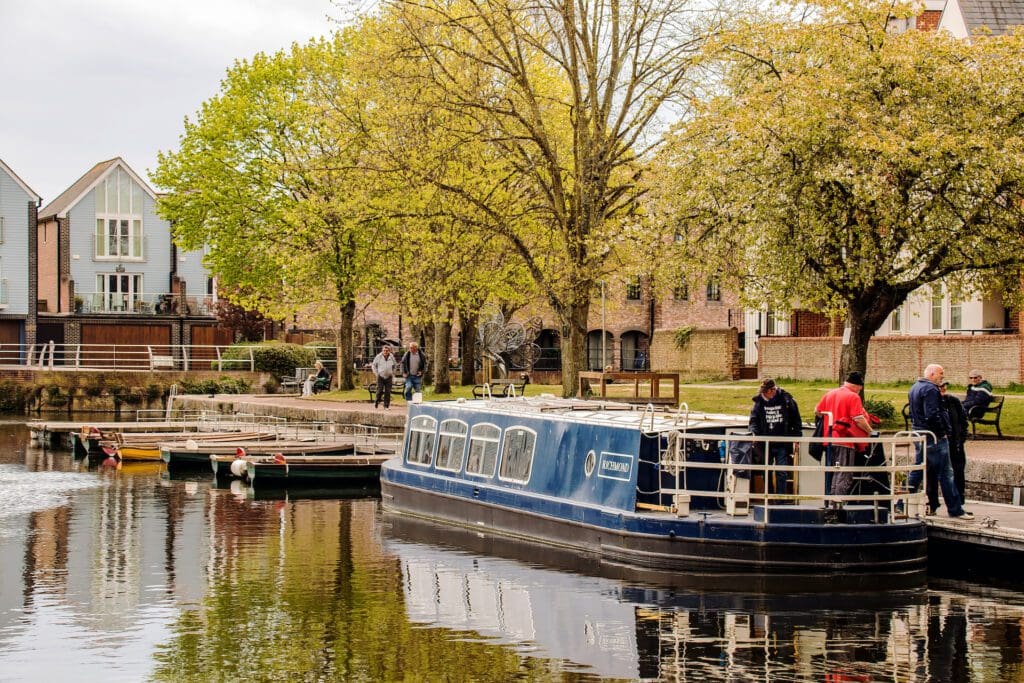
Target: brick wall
(895,359)
(929,20)
(709,353)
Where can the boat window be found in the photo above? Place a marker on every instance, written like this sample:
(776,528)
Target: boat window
(483,450)
(421,440)
(517,454)
(450,445)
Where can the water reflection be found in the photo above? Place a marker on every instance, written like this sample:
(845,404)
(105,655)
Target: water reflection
(128,574)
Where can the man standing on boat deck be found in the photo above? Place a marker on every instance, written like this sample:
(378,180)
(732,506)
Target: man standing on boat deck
(384,370)
(928,414)
(848,418)
(414,364)
(775,413)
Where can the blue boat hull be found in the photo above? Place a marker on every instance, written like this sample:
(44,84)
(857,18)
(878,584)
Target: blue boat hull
(662,541)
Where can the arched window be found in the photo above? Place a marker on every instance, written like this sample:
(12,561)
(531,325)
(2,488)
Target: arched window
(421,440)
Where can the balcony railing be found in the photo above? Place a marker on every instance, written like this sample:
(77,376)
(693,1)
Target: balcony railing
(143,304)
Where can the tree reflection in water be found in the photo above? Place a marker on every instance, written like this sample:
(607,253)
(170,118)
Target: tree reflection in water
(141,576)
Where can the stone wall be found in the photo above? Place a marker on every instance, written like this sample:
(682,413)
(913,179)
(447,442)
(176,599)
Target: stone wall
(708,354)
(895,359)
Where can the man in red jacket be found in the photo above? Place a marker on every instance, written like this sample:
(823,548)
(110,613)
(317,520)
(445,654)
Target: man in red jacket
(844,416)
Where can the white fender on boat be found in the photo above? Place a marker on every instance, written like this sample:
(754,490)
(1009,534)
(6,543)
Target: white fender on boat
(238,467)
(192,445)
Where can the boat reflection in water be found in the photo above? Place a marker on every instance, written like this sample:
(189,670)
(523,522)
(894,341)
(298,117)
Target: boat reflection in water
(599,619)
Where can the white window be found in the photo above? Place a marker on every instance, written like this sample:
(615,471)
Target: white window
(956,312)
(119,208)
(118,292)
(896,320)
(936,323)
(517,454)
(421,440)
(450,445)
(483,450)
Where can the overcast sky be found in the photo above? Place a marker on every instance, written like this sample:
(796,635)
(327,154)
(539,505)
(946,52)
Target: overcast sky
(83,81)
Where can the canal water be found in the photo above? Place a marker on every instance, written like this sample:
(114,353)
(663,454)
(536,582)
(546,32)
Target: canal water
(126,575)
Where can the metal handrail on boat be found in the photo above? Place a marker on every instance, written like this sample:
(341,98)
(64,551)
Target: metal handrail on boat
(888,478)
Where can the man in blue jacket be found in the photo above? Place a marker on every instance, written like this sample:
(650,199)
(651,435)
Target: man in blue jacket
(928,414)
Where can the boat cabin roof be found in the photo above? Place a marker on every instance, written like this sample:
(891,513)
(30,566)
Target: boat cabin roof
(646,418)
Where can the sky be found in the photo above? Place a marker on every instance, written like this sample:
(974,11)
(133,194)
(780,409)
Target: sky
(84,81)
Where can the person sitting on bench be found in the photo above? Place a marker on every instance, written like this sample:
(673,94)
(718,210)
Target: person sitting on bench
(979,394)
(317,382)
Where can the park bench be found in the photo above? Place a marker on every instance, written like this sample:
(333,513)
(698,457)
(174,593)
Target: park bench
(295,383)
(501,388)
(989,415)
(397,387)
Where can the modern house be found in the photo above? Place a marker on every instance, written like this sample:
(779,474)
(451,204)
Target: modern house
(109,272)
(18,204)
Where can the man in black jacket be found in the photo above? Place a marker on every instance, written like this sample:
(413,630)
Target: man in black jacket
(775,413)
(957,436)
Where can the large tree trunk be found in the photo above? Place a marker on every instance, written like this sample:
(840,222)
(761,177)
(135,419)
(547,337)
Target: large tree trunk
(864,317)
(467,346)
(574,345)
(345,352)
(442,344)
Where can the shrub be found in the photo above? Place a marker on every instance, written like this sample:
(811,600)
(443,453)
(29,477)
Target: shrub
(222,385)
(881,408)
(279,359)
(13,397)
(154,391)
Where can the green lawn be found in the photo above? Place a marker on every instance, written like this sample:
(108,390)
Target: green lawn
(734,397)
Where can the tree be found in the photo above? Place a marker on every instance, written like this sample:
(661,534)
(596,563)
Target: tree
(839,166)
(250,325)
(268,178)
(558,101)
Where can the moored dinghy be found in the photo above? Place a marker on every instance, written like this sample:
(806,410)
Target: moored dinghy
(642,488)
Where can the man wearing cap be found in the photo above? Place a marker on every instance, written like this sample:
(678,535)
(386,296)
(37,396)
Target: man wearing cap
(957,436)
(775,413)
(927,414)
(844,416)
(979,394)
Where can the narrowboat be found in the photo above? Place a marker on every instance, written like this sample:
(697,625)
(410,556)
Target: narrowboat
(647,488)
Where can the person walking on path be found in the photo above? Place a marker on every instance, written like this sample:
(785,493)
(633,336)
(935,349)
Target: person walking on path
(957,437)
(979,394)
(384,370)
(927,414)
(775,413)
(844,417)
(414,364)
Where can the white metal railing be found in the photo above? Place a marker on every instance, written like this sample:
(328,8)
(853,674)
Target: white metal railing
(143,303)
(881,486)
(182,357)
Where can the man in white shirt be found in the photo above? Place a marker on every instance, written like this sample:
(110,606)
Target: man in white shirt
(384,370)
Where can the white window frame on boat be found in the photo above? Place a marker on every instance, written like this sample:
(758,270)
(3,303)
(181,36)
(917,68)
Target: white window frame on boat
(421,441)
(514,457)
(495,442)
(449,438)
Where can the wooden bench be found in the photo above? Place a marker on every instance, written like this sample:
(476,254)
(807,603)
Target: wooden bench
(161,362)
(989,415)
(397,387)
(501,388)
